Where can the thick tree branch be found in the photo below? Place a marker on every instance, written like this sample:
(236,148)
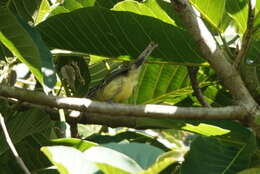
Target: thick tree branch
(247,37)
(86,118)
(195,85)
(119,110)
(228,74)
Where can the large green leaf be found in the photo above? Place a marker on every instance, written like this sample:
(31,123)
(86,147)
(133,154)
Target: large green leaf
(117,33)
(160,83)
(257,17)
(103,155)
(238,10)
(23,124)
(215,12)
(215,155)
(69,160)
(79,144)
(70,5)
(211,10)
(26,44)
(205,129)
(149,8)
(33,11)
(145,155)
(28,150)
(250,171)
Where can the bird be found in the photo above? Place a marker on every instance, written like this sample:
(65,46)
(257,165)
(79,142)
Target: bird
(119,85)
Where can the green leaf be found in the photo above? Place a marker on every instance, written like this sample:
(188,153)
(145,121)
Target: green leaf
(257,17)
(87,3)
(159,166)
(237,132)
(165,83)
(67,6)
(23,124)
(213,11)
(86,130)
(145,155)
(108,169)
(127,136)
(161,10)
(238,10)
(79,144)
(43,11)
(69,160)
(250,171)
(32,11)
(125,34)
(257,21)
(160,83)
(205,129)
(70,5)
(217,96)
(149,8)
(28,146)
(216,155)
(25,43)
(115,159)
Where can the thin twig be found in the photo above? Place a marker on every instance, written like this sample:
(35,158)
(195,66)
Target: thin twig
(11,145)
(248,34)
(193,70)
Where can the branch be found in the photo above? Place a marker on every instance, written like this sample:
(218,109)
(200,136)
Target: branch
(229,76)
(195,85)
(11,145)
(88,118)
(248,34)
(119,110)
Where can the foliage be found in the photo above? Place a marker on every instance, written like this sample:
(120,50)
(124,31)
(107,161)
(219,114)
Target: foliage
(86,40)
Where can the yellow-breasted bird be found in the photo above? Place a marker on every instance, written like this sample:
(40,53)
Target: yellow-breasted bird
(119,86)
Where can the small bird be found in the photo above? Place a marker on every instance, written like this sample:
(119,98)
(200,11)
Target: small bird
(119,86)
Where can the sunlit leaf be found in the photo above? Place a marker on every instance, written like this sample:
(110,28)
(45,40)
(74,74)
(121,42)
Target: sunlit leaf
(112,158)
(69,160)
(26,44)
